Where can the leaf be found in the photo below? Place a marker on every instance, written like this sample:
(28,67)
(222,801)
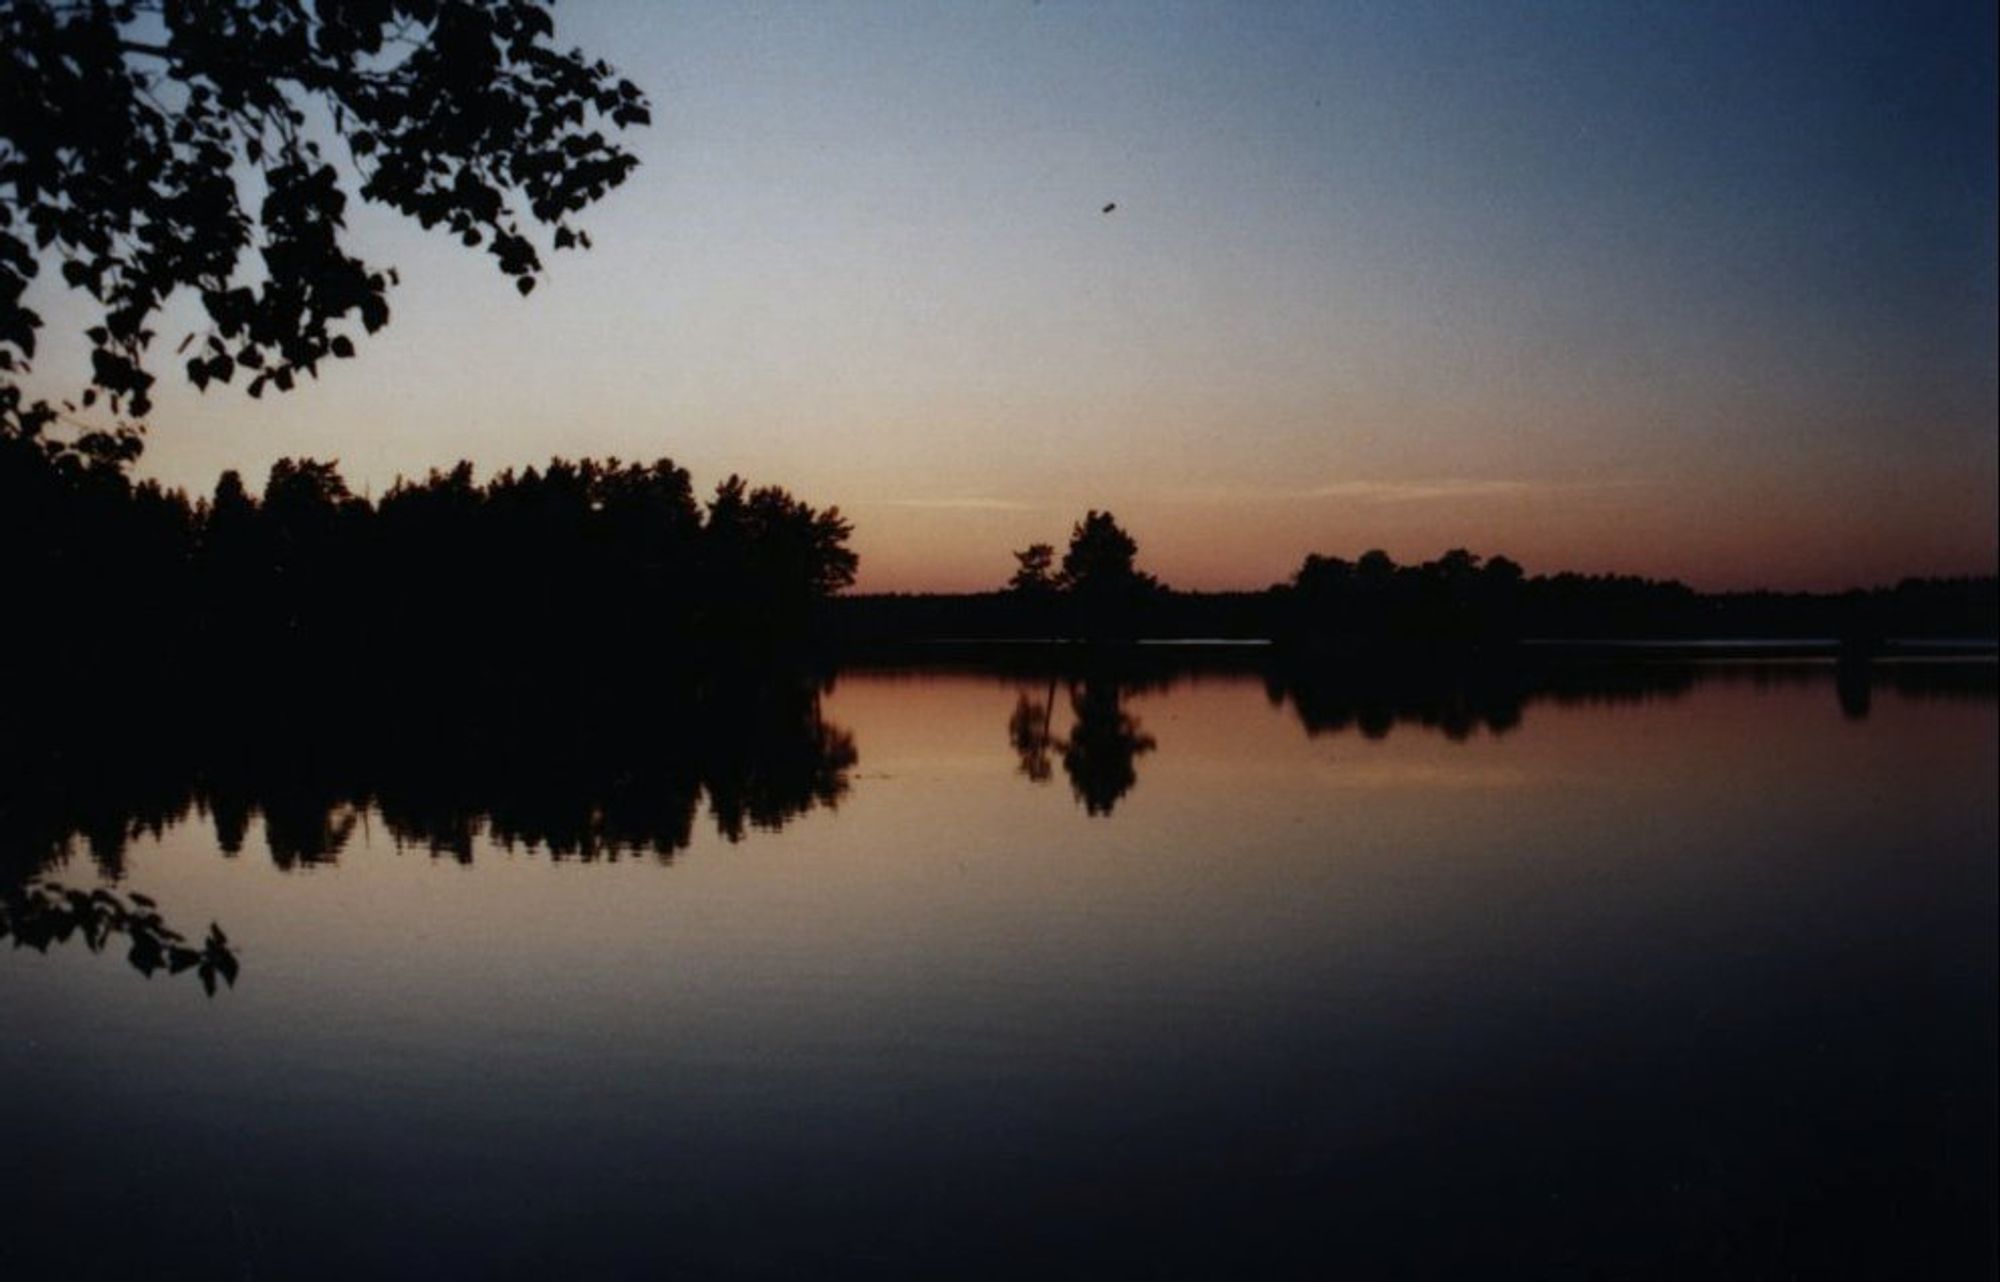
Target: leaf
(145,956)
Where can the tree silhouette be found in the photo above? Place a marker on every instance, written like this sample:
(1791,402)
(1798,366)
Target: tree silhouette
(770,557)
(1100,557)
(1035,573)
(1107,591)
(1457,600)
(126,124)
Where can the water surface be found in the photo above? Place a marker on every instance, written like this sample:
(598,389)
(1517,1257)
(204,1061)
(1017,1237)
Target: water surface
(1628,971)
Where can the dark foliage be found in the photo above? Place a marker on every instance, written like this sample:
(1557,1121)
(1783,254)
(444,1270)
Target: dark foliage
(1458,600)
(577,558)
(1454,600)
(1098,592)
(38,913)
(1373,606)
(127,128)
(1036,575)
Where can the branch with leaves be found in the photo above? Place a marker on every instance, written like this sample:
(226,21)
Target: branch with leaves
(133,137)
(41,913)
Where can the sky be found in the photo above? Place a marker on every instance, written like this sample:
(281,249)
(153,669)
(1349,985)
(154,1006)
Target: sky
(1695,290)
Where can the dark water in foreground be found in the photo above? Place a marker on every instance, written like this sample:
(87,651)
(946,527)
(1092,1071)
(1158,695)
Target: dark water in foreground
(1687,974)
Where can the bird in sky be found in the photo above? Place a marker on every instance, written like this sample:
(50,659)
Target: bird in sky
(1108,208)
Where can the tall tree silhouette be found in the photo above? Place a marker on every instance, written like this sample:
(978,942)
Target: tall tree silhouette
(1107,590)
(1101,556)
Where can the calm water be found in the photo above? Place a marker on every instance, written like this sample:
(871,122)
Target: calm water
(1657,972)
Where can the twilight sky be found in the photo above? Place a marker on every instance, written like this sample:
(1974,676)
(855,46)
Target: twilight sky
(1701,290)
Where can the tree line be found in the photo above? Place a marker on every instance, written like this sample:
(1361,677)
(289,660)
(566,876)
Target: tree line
(1374,605)
(591,559)
(598,554)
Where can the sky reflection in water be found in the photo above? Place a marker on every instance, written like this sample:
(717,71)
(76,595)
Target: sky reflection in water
(1653,969)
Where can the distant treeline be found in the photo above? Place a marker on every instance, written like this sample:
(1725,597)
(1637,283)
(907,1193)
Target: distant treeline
(590,555)
(1460,599)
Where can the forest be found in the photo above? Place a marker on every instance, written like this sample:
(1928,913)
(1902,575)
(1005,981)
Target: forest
(575,555)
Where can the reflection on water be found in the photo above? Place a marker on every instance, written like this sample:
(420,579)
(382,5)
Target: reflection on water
(585,781)
(1104,740)
(1639,970)
(1101,748)
(601,780)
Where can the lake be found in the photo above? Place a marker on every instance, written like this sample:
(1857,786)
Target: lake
(1164,969)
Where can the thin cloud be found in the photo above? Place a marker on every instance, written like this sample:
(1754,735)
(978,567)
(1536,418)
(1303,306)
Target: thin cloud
(959,504)
(1424,490)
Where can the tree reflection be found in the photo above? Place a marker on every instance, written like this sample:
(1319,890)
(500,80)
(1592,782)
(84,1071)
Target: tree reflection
(571,773)
(1030,732)
(600,768)
(759,752)
(1104,746)
(1100,747)
(1101,751)
(1459,701)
